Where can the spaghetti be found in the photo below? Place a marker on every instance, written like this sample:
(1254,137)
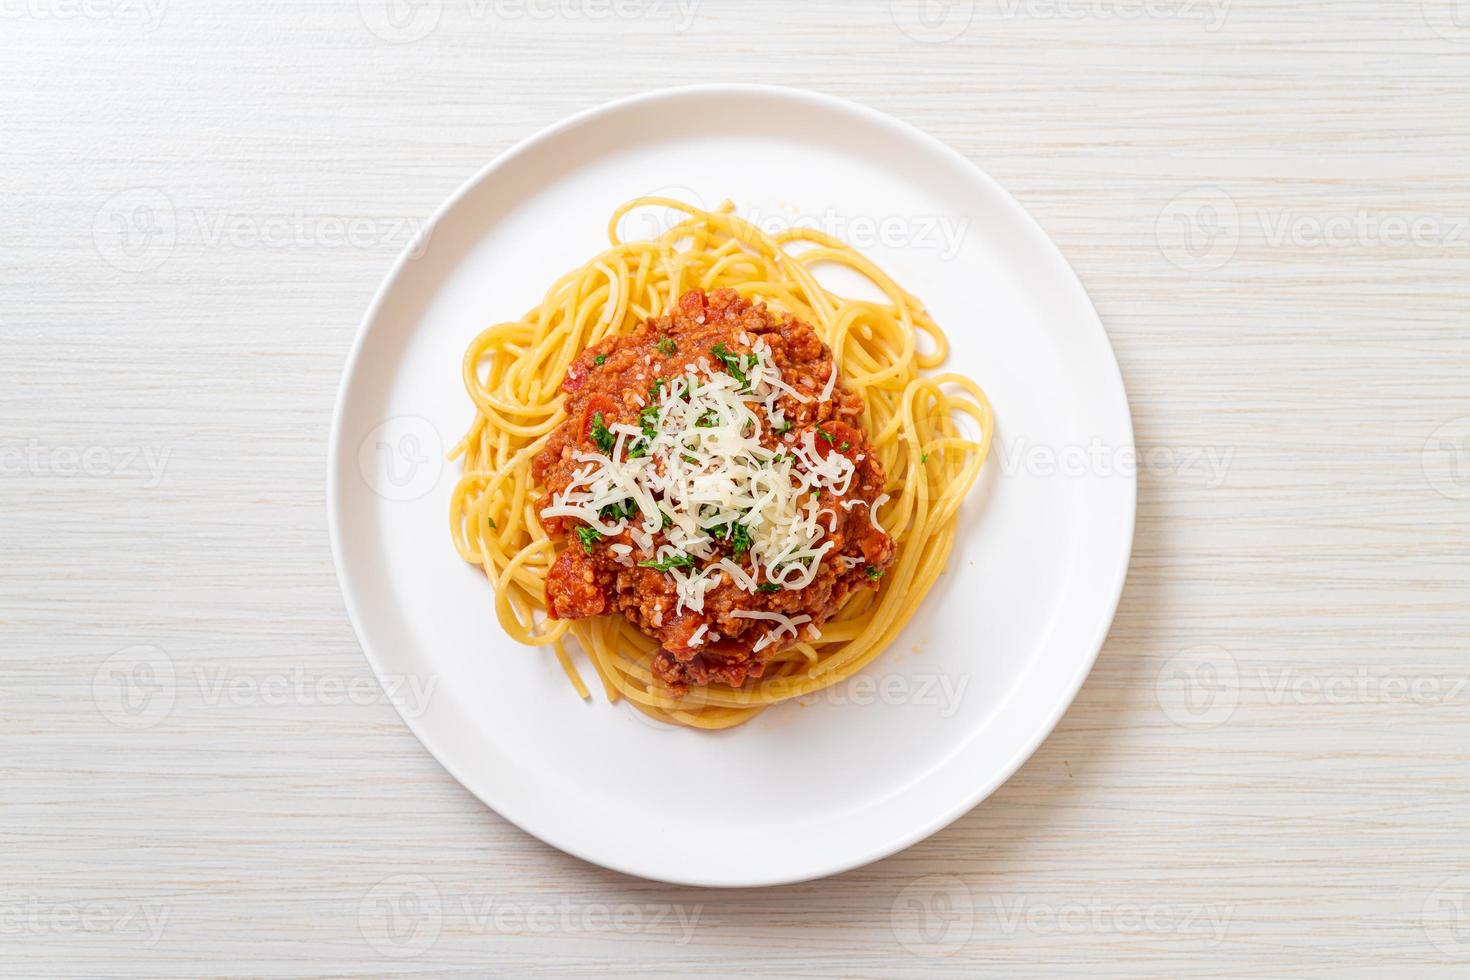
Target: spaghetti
(513,372)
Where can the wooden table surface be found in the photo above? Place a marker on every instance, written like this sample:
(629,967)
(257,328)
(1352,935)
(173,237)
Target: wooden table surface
(1268,772)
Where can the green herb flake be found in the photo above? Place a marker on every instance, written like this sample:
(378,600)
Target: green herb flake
(669,563)
(619,511)
(826,435)
(491,522)
(783,428)
(667,347)
(732,364)
(589,536)
(873,573)
(769,587)
(601,435)
(599,360)
(924,458)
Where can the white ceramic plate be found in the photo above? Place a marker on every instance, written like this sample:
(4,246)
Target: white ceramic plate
(974,683)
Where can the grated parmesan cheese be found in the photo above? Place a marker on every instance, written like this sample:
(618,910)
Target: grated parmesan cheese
(695,469)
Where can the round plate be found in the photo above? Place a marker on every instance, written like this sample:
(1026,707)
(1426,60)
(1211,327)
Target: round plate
(993,656)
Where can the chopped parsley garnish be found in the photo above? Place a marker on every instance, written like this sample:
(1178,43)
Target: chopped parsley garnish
(638,450)
(736,533)
(924,458)
(667,347)
(600,360)
(601,435)
(769,587)
(873,573)
(826,435)
(669,563)
(732,364)
(491,522)
(783,428)
(668,521)
(708,420)
(589,536)
(655,390)
(617,512)
(846,446)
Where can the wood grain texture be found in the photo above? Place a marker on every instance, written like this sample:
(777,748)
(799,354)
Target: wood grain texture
(1265,775)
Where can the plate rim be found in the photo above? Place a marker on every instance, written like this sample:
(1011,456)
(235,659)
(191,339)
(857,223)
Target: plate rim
(818,100)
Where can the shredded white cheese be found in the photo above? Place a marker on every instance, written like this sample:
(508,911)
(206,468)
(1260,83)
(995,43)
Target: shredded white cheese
(694,467)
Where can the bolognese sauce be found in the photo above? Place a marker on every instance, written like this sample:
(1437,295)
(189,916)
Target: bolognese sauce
(713,484)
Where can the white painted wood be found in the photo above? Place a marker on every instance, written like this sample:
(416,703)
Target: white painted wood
(1312,818)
